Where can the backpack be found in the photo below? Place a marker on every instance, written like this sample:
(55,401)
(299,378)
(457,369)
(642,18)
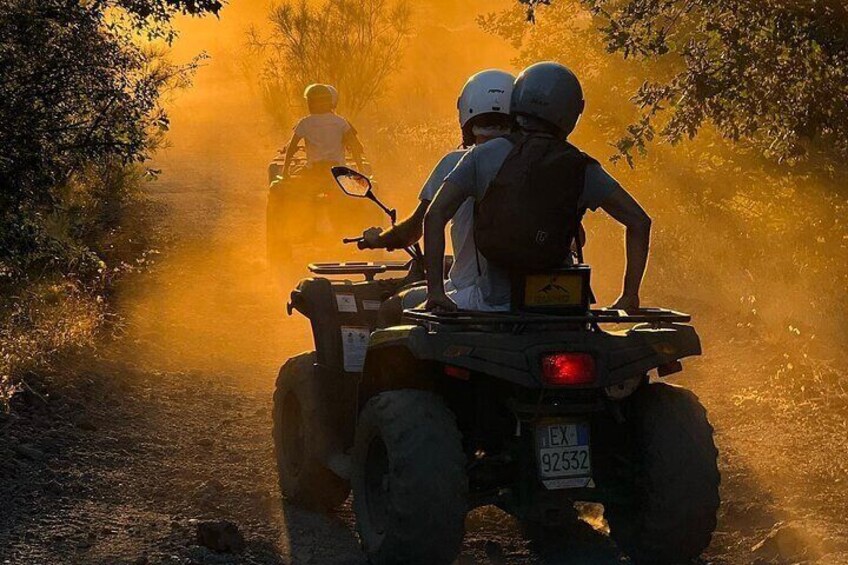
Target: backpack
(530,213)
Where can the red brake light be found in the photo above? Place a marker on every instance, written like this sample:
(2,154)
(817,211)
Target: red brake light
(568,369)
(457,372)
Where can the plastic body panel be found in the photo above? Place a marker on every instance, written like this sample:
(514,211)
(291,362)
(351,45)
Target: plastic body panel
(619,355)
(329,308)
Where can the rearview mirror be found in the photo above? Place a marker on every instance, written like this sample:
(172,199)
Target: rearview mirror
(353,183)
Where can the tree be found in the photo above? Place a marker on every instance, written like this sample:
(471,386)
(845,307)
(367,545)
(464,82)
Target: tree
(354,45)
(773,73)
(79,112)
(77,91)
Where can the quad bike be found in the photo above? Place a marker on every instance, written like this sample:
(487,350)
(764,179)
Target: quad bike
(304,210)
(529,410)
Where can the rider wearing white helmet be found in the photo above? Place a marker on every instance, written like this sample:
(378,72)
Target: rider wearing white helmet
(483,107)
(326,133)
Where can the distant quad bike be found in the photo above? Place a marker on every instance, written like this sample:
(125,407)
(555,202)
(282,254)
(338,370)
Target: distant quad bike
(529,410)
(304,210)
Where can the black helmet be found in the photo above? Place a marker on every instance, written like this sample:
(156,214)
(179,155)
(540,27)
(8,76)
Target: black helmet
(550,92)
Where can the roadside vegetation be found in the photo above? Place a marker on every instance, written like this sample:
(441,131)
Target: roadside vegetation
(355,45)
(79,115)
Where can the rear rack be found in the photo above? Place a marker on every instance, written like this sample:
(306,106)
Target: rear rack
(594,316)
(369,269)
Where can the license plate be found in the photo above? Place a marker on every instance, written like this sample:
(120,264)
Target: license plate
(563,454)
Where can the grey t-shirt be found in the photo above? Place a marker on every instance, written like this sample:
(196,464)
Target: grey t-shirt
(463,273)
(475,172)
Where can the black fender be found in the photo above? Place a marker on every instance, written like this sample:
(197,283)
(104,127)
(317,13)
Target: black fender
(396,359)
(619,355)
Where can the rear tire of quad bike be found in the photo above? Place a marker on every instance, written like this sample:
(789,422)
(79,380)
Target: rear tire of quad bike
(673,515)
(409,482)
(304,480)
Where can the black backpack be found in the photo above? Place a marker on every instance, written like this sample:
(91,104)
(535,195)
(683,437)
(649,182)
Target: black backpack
(530,213)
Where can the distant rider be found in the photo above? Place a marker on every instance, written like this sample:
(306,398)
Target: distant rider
(547,100)
(326,133)
(483,107)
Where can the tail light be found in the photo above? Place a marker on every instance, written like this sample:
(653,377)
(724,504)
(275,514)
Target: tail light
(568,369)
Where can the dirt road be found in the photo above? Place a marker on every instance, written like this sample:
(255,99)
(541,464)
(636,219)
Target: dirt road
(170,425)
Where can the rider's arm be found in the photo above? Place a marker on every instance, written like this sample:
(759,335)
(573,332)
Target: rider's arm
(291,149)
(624,209)
(448,200)
(409,230)
(355,146)
(404,233)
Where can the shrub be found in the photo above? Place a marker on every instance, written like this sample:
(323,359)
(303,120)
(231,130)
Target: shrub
(354,45)
(79,113)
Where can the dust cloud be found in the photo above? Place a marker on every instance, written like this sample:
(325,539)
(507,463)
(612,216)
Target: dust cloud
(717,258)
(212,303)
(751,270)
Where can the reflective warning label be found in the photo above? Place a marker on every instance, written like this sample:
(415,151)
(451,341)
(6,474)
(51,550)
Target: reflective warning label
(346,302)
(354,346)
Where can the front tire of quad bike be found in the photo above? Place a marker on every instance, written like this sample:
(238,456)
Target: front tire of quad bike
(305,480)
(410,487)
(673,514)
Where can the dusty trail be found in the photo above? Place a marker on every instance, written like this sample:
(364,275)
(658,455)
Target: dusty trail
(172,425)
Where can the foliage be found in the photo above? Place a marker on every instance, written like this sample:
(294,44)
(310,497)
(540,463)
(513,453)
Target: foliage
(74,90)
(354,45)
(79,113)
(153,17)
(38,324)
(565,31)
(78,93)
(770,72)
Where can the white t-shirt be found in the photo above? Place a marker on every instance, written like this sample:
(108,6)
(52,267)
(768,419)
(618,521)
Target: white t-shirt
(473,174)
(324,135)
(463,273)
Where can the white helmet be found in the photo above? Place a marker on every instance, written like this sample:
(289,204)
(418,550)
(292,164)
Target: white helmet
(334,93)
(486,92)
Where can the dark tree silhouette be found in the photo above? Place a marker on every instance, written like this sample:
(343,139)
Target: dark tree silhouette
(771,72)
(77,93)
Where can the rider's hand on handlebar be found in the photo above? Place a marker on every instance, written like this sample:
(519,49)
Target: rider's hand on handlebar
(371,239)
(627,302)
(440,303)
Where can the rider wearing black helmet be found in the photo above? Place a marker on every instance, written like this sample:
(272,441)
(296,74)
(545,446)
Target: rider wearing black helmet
(547,100)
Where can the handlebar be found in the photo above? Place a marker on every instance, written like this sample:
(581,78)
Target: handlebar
(413,251)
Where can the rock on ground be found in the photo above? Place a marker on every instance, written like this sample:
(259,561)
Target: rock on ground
(220,535)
